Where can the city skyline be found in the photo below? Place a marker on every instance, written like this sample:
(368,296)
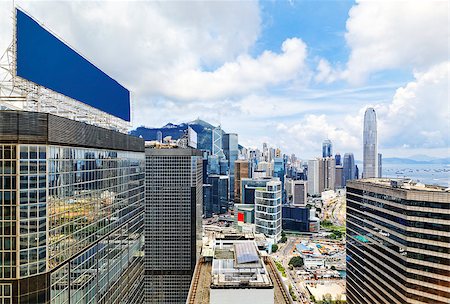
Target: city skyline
(322,93)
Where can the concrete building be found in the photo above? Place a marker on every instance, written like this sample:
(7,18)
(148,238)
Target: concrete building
(242,170)
(327,174)
(173,225)
(370,148)
(299,192)
(268,210)
(339,177)
(397,242)
(313,177)
(233,270)
(380,165)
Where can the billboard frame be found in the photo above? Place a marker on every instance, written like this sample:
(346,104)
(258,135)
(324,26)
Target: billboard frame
(17,93)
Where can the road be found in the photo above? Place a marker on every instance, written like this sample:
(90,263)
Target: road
(284,255)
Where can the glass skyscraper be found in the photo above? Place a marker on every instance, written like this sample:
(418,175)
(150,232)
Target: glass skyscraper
(370,150)
(231,150)
(397,242)
(327,148)
(72,208)
(349,167)
(173,222)
(268,210)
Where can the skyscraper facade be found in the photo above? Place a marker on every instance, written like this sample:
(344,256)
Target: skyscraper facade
(242,170)
(231,151)
(370,150)
(219,193)
(397,242)
(380,165)
(268,210)
(337,157)
(327,174)
(173,213)
(313,177)
(349,167)
(72,209)
(327,148)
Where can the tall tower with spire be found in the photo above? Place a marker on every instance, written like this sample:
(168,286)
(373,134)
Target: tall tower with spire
(370,150)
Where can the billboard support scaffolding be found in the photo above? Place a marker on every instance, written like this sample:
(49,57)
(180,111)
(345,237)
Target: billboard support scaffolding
(17,93)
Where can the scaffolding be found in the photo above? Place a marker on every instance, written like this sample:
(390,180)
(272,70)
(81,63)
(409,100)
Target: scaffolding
(17,93)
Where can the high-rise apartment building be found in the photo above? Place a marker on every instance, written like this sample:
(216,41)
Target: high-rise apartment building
(242,170)
(173,213)
(397,242)
(268,210)
(72,208)
(327,148)
(370,150)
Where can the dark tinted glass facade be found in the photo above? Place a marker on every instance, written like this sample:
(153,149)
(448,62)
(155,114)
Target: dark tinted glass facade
(397,243)
(72,217)
(173,226)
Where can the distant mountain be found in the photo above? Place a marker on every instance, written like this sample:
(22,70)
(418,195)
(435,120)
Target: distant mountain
(203,129)
(409,161)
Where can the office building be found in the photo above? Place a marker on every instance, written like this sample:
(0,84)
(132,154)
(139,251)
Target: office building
(370,150)
(217,142)
(242,170)
(78,195)
(380,165)
(299,192)
(248,187)
(337,157)
(339,179)
(349,168)
(397,242)
(313,177)
(279,170)
(72,180)
(268,210)
(233,270)
(327,174)
(295,218)
(327,148)
(231,151)
(207,201)
(219,193)
(173,226)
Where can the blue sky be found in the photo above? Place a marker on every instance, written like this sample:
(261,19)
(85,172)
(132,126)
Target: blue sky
(287,73)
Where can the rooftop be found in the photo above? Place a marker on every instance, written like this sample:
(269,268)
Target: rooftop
(401,183)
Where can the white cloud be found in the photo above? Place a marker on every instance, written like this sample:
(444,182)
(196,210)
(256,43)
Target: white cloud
(242,76)
(386,35)
(419,115)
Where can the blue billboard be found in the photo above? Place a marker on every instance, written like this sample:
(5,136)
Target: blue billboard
(45,60)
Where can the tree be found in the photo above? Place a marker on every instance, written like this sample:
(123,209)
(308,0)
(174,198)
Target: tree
(274,248)
(296,261)
(283,237)
(327,298)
